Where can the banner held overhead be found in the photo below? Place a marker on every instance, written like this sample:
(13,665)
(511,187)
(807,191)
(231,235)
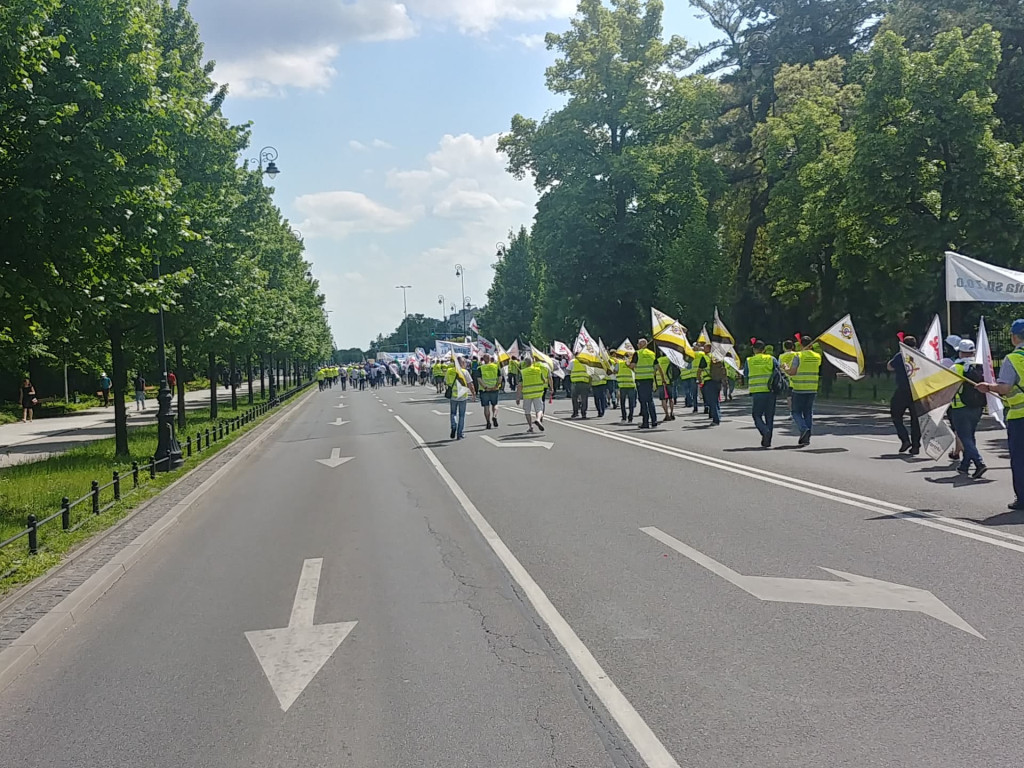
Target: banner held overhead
(968,279)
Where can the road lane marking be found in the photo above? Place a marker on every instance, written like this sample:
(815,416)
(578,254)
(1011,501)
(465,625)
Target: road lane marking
(640,735)
(336,459)
(853,592)
(963,528)
(518,443)
(340,423)
(874,439)
(292,656)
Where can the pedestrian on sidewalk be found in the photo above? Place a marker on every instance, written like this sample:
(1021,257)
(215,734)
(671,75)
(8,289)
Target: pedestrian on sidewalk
(965,410)
(28,400)
(105,388)
(140,392)
(902,403)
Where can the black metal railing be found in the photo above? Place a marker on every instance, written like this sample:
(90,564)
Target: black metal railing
(101,498)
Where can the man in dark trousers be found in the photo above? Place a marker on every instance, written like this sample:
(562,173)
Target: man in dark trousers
(902,403)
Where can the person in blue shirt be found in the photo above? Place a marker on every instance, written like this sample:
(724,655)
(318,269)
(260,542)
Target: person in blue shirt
(902,403)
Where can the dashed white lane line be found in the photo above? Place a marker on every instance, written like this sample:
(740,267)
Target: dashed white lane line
(640,735)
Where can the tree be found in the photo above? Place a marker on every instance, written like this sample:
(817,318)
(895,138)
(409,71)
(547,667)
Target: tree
(510,300)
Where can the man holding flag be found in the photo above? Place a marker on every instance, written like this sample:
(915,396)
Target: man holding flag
(1009,386)
(803,372)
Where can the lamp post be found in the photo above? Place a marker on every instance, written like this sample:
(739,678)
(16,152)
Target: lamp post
(444,316)
(266,163)
(460,272)
(405,312)
(466,304)
(168,450)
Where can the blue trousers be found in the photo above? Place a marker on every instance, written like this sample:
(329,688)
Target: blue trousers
(690,393)
(965,423)
(600,399)
(1015,440)
(712,394)
(627,396)
(803,410)
(764,413)
(458,414)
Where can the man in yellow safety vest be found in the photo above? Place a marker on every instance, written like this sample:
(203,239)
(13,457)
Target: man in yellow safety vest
(643,366)
(1010,386)
(803,372)
(490,375)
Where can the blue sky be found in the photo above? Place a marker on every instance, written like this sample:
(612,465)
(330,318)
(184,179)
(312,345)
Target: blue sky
(386,117)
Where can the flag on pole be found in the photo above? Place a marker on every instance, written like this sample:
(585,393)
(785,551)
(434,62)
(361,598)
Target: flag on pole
(703,338)
(670,336)
(513,351)
(983,355)
(723,344)
(503,356)
(473,326)
(624,353)
(561,348)
(932,389)
(585,349)
(931,344)
(552,366)
(606,360)
(842,348)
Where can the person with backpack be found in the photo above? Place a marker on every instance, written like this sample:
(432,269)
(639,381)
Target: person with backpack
(763,374)
(965,410)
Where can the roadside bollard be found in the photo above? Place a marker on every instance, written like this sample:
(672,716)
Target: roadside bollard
(135,474)
(33,535)
(65,513)
(95,497)
(199,442)
(117,485)
(188,447)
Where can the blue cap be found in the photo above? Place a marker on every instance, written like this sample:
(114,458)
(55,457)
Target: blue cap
(1017,329)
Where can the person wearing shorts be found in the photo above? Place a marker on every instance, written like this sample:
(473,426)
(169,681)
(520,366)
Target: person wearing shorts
(490,380)
(530,392)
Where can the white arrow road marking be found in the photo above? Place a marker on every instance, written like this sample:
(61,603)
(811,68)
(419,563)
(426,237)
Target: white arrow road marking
(292,656)
(340,422)
(518,443)
(341,397)
(448,413)
(341,405)
(336,459)
(855,592)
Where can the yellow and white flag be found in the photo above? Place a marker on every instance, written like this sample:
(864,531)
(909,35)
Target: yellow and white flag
(932,389)
(586,350)
(723,344)
(606,359)
(670,336)
(703,338)
(842,348)
(542,358)
(624,353)
(513,351)
(503,356)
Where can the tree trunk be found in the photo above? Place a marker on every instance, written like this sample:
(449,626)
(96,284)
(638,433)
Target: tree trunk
(232,367)
(179,372)
(211,364)
(747,307)
(119,378)
(248,374)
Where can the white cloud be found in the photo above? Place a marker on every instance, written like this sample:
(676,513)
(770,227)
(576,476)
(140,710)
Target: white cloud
(270,73)
(358,146)
(478,16)
(340,214)
(381,144)
(530,41)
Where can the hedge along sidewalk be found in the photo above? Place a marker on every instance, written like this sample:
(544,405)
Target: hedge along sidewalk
(39,489)
(37,616)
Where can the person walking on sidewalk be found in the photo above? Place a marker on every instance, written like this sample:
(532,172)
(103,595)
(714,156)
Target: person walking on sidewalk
(965,410)
(902,403)
(758,370)
(28,400)
(140,392)
(105,388)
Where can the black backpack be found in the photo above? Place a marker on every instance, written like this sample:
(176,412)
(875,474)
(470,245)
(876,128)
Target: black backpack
(969,395)
(779,382)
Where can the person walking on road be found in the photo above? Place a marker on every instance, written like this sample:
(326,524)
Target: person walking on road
(105,388)
(627,392)
(758,370)
(804,373)
(140,392)
(490,375)
(599,386)
(712,376)
(902,403)
(1010,386)
(580,377)
(643,367)
(28,400)
(666,383)
(965,410)
(530,386)
(458,380)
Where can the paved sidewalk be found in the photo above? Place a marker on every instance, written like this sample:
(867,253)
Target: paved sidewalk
(40,439)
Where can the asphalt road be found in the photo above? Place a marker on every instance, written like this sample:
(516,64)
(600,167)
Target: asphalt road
(611,598)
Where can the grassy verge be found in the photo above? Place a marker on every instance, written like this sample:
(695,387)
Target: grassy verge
(38,488)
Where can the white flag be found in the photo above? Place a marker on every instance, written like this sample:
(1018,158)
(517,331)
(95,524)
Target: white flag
(931,344)
(983,355)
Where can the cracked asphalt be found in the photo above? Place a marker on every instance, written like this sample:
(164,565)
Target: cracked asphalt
(450,665)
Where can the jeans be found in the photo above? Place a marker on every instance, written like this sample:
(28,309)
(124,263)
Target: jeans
(458,414)
(1015,441)
(764,413)
(627,394)
(803,410)
(898,406)
(645,394)
(601,399)
(690,393)
(580,397)
(965,423)
(712,396)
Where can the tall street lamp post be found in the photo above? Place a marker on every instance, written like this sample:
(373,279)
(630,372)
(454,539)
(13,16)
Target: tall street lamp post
(444,316)
(168,450)
(460,272)
(466,304)
(405,312)
(266,164)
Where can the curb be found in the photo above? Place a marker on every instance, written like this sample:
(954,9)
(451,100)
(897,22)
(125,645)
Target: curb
(40,636)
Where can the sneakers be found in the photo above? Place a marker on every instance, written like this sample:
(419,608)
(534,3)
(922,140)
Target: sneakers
(1015,506)
(962,470)
(805,437)
(904,446)
(766,442)
(980,470)
(488,425)
(915,450)
(540,425)
(452,436)
(495,422)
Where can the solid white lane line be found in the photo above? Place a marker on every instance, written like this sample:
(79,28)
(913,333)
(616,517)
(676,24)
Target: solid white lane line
(963,528)
(874,439)
(633,726)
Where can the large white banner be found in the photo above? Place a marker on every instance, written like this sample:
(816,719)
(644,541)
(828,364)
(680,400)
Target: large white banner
(445,348)
(972,280)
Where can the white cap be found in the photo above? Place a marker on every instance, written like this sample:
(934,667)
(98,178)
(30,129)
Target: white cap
(966,346)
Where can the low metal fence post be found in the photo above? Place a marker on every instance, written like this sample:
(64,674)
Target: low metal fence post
(65,513)
(152,467)
(117,485)
(95,497)
(207,437)
(135,474)
(199,442)
(188,447)
(33,535)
